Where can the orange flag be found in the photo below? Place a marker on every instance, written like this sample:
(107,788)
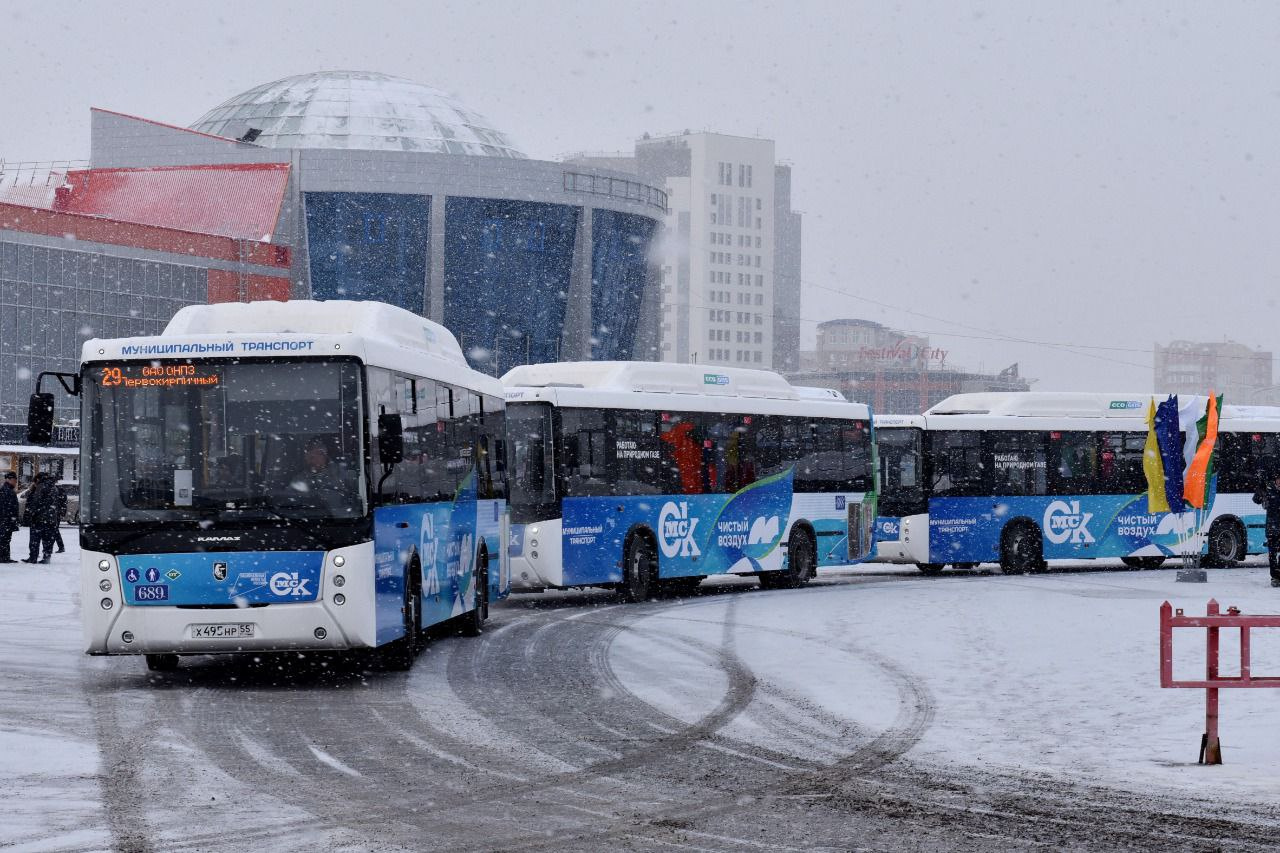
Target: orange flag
(1195,488)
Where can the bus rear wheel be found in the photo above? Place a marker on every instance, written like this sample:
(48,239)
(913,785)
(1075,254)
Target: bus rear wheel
(801,562)
(1226,545)
(473,620)
(1020,549)
(639,570)
(162,663)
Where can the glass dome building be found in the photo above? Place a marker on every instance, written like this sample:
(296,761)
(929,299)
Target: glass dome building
(401,193)
(356,110)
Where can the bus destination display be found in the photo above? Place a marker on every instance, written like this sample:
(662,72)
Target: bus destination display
(156,376)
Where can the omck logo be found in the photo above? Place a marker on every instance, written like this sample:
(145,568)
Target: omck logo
(219,571)
(675,530)
(289,584)
(1064,521)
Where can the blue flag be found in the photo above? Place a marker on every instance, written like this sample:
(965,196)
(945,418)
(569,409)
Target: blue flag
(1170,440)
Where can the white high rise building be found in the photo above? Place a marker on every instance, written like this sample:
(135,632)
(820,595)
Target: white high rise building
(719,255)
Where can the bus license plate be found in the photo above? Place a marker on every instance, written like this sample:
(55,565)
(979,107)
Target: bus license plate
(235,630)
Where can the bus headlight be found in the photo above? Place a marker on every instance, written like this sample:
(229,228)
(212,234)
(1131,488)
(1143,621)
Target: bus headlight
(104,565)
(106,603)
(104,585)
(339,561)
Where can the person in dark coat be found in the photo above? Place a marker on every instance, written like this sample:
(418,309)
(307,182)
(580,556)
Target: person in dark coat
(8,514)
(42,517)
(59,498)
(1268,495)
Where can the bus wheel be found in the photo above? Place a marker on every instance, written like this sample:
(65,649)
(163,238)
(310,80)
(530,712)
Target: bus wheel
(400,654)
(1226,544)
(1138,563)
(931,569)
(639,570)
(473,621)
(162,663)
(801,561)
(1020,549)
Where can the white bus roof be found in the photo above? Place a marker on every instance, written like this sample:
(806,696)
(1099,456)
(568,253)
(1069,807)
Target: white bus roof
(377,333)
(1066,409)
(680,387)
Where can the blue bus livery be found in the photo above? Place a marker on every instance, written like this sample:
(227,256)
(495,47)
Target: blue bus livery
(1019,479)
(635,474)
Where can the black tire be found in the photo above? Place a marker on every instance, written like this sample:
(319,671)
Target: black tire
(802,559)
(162,663)
(1226,545)
(639,570)
(400,654)
(1139,563)
(1021,550)
(931,569)
(473,620)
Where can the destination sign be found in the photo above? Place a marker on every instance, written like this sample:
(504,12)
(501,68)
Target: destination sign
(157,376)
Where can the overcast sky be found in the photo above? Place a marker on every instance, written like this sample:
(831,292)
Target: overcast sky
(1000,176)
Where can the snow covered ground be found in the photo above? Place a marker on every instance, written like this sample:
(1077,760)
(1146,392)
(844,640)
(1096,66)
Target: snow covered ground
(1055,673)
(1043,677)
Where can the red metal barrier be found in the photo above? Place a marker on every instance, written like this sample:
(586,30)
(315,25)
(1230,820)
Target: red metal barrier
(1214,621)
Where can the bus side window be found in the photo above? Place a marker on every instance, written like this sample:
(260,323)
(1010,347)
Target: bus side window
(1120,463)
(956,460)
(1073,461)
(585,452)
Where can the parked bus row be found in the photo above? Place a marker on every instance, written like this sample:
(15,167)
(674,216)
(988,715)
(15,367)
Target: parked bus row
(333,475)
(1021,478)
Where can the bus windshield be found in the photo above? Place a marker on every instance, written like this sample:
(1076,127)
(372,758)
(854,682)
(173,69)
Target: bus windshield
(234,440)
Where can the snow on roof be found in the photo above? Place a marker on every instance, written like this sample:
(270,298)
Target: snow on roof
(812,392)
(1045,404)
(356,110)
(373,320)
(241,201)
(653,377)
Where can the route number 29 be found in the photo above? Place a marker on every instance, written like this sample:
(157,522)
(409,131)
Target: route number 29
(111,376)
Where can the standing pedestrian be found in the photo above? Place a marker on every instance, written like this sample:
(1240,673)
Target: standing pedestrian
(60,501)
(8,514)
(1268,495)
(42,518)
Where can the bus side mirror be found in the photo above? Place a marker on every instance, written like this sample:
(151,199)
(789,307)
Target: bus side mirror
(40,419)
(390,439)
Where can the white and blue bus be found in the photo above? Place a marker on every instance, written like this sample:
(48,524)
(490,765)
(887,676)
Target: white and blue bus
(1022,478)
(636,475)
(302,475)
